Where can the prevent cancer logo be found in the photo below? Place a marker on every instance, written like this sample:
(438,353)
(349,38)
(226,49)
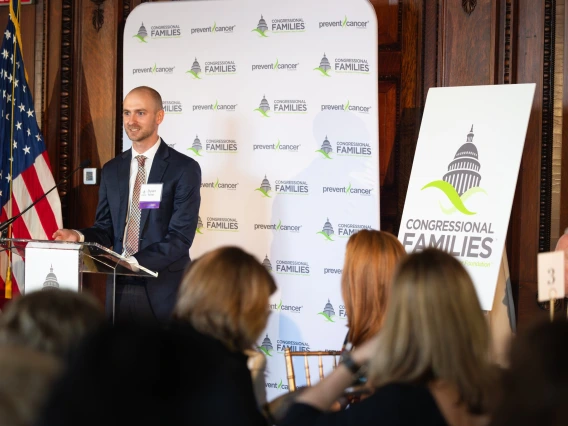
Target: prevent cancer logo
(327,231)
(328,312)
(265,188)
(324,66)
(462,179)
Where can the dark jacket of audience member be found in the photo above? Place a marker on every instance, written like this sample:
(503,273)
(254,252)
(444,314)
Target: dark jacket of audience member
(50,321)
(535,387)
(136,375)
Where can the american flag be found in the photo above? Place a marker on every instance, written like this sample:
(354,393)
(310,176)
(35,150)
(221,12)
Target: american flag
(25,171)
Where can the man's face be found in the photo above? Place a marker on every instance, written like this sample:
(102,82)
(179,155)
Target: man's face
(141,118)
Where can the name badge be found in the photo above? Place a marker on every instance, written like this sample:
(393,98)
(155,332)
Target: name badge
(151,195)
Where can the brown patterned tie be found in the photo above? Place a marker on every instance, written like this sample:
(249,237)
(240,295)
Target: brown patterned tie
(133,224)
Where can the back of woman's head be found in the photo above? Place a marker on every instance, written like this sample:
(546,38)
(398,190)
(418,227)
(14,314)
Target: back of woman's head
(49,321)
(224,294)
(535,387)
(370,261)
(434,328)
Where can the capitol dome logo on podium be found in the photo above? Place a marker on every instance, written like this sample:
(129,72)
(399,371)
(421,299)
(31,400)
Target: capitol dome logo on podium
(328,312)
(462,179)
(264,107)
(327,230)
(266,346)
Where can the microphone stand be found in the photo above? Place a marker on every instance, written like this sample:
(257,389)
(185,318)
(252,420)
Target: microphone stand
(4,226)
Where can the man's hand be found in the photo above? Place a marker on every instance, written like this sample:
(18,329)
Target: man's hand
(65,235)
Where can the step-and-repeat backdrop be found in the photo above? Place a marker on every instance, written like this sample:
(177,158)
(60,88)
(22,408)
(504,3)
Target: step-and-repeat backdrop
(278,102)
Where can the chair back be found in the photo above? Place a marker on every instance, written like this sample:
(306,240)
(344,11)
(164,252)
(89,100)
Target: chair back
(289,355)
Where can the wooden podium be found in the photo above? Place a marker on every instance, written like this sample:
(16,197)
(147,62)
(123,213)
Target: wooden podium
(61,264)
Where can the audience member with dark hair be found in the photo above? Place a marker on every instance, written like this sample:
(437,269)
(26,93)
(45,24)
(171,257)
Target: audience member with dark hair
(429,363)
(535,387)
(371,258)
(26,377)
(49,321)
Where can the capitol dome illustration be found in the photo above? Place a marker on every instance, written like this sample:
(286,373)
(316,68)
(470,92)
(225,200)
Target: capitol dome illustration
(262,24)
(199,223)
(196,68)
(326,146)
(327,228)
(324,64)
(264,104)
(328,310)
(267,344)
(50,280)
(463,170)
(142,31)
(197,144)
(265,184)
(266,263)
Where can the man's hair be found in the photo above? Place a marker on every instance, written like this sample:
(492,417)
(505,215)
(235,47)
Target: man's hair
(153,93)
(225,294)
(50,321)
(371,258)
(434,329)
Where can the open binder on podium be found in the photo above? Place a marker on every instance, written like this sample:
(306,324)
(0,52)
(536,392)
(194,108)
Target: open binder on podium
(61,264)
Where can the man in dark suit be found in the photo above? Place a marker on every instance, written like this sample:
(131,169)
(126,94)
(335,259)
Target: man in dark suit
(156,238)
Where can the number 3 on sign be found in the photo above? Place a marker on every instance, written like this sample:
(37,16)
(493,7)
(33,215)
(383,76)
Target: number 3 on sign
(550,275)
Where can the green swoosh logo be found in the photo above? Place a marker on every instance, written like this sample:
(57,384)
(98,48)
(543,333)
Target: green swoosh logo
(325,154)
(214,28)
(346,106)
(279,305)
(216,184)
(215,106)
(326,316)
(278,145)
(464,198)
(263,192)
(280,384)
(344,21)
(195,151)
(139,37)
(325,235)
(260,32)
(198,230)
(194,74)
(348,190)
(154,69)
(276,64)
(452,195)
(324,72)
(278,229)
(262,112)
(264,351)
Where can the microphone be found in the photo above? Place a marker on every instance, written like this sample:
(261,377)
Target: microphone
(4,226)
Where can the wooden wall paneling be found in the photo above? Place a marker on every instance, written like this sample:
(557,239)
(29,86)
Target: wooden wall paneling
(52,74)
(526,207)
(564,149)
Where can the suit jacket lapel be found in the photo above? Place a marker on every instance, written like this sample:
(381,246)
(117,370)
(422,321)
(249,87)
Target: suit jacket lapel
(123,179)
(159,166)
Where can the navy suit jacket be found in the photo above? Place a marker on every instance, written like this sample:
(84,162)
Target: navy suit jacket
(166,233)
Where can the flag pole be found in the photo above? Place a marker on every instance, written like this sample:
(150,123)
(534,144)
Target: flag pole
(15,19)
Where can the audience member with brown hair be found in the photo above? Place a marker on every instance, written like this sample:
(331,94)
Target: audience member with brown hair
(49,321)
(224,296)
(370,261)
(535,387)
(429,363)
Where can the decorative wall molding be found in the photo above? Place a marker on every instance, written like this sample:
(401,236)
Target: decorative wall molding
(545,210)
(66,102)
(468,6)
(98,14)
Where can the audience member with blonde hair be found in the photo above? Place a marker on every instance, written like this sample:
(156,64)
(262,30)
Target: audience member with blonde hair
(50,321)
(370,261)
(429,363)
